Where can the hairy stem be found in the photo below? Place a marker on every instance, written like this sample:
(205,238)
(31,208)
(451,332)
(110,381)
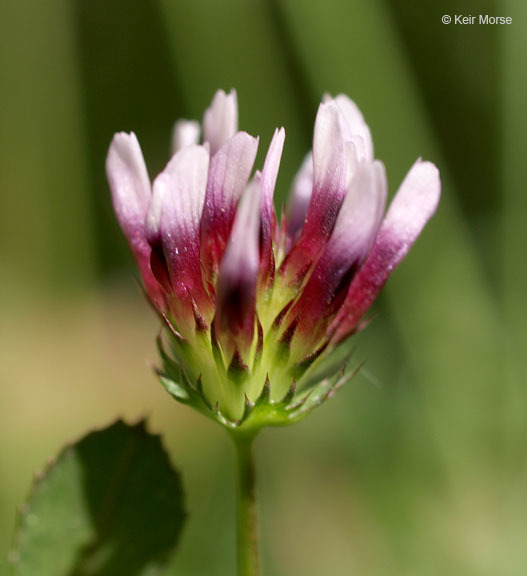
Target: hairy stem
(247,517)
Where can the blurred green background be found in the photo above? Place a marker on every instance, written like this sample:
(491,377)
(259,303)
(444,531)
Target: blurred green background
(419,466)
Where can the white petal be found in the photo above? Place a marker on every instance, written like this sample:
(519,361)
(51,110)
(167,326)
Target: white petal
(185,133)
(242,257)
(328,149)
(153,217)
(271,168)
(269,176)
(355,126)
(414,203)
(220,120)
(183,183)
(361,214)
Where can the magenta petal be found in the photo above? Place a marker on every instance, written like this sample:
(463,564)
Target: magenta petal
(237,280)
(355,230)
(268,182)
(229,172)
(131,194)
(220,121)
(415,202)
(181,188)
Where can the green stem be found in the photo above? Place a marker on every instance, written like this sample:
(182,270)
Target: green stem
(247,522)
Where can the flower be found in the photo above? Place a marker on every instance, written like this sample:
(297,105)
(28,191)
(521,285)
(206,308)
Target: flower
(255,309)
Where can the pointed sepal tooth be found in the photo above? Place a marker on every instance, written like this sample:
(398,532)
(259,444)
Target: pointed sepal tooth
(281,315)
(259,345)
(301,367)
(199,386)
(345,377)
(216,350)
(284,342)
(200,322)
(238,370)
(265,394)
(196,386)
(172,329)
(289,395)
(186,381)
(247,408)
(171,366)
(289,332)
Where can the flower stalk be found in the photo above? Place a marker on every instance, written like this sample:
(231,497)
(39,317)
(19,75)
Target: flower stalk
(248,557)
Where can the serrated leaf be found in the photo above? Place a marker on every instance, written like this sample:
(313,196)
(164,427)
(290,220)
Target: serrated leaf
(110,505)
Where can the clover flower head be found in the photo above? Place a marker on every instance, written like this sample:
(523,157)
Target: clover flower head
(255,309)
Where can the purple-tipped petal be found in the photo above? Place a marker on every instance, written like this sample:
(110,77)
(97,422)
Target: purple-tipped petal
(334,159)
(269,176)
(131,194)
(237,281)
(353,235)
(181,188)
(185,133)
(299,199)
(415,202)
(220,121)
(229,172)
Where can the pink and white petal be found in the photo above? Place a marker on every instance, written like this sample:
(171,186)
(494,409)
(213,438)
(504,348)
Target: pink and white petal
(356,126)
(220,121)
(129,183)
(185,133)
(131,194)
(268,217)
(237,281)
(360,216)
(181,187)
(332,160)
(229,172)
(299,199)
(328,139)
(414,204)
(352,238)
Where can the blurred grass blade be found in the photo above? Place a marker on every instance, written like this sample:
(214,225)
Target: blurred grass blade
(111,504)
(45,233)
(514,178)
(515,229)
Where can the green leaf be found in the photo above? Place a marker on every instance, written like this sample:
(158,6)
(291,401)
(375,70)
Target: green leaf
(110,504)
